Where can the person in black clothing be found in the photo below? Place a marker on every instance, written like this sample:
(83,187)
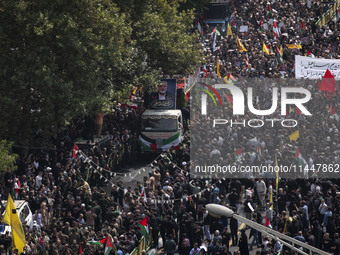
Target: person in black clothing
(233,197)
(259,219)
(9,182)
(233,230)
(281,201)
(226,237)
(243,243)
(247,209)
(336,247)
(90,127)
(170,246)
(120,193)
(155,228)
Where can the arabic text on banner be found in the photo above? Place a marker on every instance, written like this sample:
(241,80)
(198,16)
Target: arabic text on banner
(315,68)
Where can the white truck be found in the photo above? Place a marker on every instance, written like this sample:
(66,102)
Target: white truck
(161,129)
(25,214)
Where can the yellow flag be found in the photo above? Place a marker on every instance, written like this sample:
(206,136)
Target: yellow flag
(294,136)
(134,90)
(218,69)
(271,196)
(290,109)
(229,32)
(11,218)
(294,46)
(226,79)
(240,46)
(265,49)
(281,51)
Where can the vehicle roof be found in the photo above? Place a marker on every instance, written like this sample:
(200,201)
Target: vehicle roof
(18,203)
(163,112)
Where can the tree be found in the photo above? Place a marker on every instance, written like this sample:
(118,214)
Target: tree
(7,157)
(61,59)
(161,30)
(198,5)
(57,59)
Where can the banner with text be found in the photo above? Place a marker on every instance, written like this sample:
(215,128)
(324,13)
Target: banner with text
(315,68)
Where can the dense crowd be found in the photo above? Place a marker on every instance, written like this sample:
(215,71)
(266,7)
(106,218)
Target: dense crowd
(303,206)
(73,205)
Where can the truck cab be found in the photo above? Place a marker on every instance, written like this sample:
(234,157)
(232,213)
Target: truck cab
(161,129)
(25,215)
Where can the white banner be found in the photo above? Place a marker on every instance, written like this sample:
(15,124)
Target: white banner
(315,68)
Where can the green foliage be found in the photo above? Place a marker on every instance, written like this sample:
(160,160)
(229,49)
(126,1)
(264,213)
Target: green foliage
(181,99)
(198,5)
(7,157)
(61,59)
(57,59)
(164,43)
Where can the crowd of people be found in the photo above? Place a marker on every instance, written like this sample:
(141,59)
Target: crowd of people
(72,204)
(303,205)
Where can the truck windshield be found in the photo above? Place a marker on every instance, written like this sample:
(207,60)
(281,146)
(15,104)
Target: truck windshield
(157,125)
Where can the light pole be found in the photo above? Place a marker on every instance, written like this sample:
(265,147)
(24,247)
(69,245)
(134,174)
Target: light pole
(220,210)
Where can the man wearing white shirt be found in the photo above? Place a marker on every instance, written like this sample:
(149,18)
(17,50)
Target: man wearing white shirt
(322,210)
(261,189)
(38,180)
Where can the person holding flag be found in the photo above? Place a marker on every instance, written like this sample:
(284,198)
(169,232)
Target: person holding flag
(144,228)
(11,217)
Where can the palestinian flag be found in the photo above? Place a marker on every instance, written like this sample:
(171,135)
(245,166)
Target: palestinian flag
(261,26)
(216,31)
(248,65)
(100,242)
(268,225)
(108,246)
(298,111)
(17,185)
(330,51)
(143,194)
(302,27)
(310,55)
(199,27)
(298,157)
(150,144)
(205,71)
(279,56)
(258,152)
(276,30)
(334,115)
(269,13)
(238,154)
(233,24)
(75,151)
(144,227)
